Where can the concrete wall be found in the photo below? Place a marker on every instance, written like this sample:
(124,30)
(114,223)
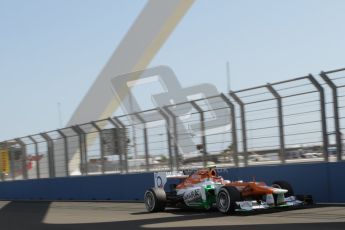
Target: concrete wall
(325,181)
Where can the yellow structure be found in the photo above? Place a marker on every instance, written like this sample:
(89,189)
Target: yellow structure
(4,161)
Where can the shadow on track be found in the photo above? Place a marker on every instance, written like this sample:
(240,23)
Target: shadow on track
(214,211)
(30,215)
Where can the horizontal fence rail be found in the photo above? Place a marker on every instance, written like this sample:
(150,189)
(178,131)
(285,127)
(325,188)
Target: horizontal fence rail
(297,120)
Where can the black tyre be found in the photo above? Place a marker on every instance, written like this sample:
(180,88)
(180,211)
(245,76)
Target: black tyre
(284,185)
(227,198)
(155,200)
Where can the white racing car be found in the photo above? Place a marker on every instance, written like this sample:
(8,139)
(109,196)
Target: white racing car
(204,189)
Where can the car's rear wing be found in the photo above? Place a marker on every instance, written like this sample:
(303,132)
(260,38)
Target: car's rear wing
(161,178)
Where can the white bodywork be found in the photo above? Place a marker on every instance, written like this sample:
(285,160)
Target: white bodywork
(193,195)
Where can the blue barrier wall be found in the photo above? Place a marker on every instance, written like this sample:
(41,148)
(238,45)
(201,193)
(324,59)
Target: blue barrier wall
(103,187)
(325,181)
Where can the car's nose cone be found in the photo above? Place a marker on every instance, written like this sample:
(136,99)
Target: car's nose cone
(279,191)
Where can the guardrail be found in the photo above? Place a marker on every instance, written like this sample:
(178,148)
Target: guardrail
(296,120)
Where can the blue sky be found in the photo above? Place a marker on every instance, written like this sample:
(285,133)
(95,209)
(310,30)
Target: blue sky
(52,51)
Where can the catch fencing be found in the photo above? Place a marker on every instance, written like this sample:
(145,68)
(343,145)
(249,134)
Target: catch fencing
(297,120)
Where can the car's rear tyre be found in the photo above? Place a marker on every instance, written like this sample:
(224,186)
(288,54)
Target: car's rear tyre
(284,185)
(155,200)
(227,198)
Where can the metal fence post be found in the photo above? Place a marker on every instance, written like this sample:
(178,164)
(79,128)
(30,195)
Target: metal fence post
(175,135)
(203,134)
(24,158)
(146,144)
(233,129)
(280,121)
(38,174)
(243,125)
(323,114)
(168,126)
(334,89)
(120,124)
(50,150)
(66,152)
(99,130)
(83,149)
(120,154)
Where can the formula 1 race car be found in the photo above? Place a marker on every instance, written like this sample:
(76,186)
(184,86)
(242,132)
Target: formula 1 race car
(204,189)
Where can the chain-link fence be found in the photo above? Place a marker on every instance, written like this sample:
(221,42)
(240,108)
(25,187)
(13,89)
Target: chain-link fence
(301,119)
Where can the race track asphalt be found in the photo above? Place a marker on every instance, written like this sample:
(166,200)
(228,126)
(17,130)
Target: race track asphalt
(114,215)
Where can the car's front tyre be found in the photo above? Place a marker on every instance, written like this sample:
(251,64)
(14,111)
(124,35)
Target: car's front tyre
(227,198)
